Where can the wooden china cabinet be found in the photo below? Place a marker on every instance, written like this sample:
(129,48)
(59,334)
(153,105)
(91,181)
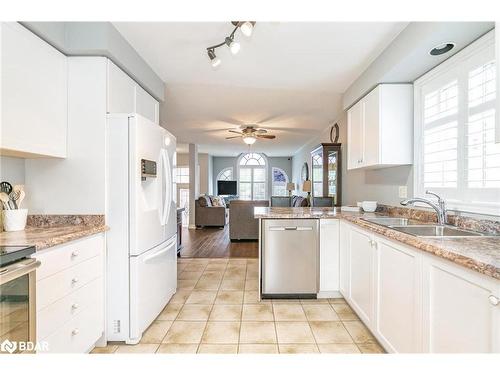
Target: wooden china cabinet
(326,166)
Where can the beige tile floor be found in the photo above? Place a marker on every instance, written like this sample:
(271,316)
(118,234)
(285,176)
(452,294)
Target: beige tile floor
(216,310)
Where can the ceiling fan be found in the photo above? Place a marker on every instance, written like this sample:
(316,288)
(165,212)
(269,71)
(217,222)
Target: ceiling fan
(250,133)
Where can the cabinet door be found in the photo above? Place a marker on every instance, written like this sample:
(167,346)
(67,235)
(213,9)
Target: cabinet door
(121,91)
(361,263)
(146,105)
(459,316)
(329,256)
(371,126)
(34,94)
(398,302)
(344,235)
(355,138)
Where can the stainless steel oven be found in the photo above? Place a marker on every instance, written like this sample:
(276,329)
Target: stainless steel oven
(17,305)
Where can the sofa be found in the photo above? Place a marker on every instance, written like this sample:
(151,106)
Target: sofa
(242,224)
(208,215)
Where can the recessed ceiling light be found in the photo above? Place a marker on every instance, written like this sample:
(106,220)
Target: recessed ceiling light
(441,49)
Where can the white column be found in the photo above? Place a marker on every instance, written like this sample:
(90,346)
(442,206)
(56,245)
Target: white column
(194,185)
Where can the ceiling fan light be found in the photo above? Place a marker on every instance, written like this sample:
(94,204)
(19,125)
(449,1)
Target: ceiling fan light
(249,140)
(247,28)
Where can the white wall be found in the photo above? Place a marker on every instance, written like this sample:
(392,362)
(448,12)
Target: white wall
(381,185)
(12,170)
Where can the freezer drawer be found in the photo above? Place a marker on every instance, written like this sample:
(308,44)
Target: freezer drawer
(290,258)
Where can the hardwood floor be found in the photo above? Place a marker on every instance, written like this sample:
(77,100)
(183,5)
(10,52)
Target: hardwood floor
(215,243)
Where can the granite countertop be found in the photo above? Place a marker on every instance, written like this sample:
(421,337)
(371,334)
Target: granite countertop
(47,231)
(481,254)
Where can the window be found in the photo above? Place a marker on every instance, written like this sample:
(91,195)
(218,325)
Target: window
(182,175)
(225,175)
(280,179)
(455,150)
(317,171)
(252,176)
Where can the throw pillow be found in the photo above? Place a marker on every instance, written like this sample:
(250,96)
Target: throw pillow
(205,201)
(218,202)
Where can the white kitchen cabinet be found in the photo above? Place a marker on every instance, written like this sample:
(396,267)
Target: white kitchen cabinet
(459,311)
(126,96)
(329,258)
(361,262)
(398,297)
(34,95)
(380,128)
(121,90)
(146,105)
(355,135)
(344,268)
(70,295)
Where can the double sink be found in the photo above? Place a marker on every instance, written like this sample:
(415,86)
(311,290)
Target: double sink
(418,229)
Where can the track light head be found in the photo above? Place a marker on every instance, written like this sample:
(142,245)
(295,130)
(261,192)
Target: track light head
(213,58)
(234,47)
(247,28)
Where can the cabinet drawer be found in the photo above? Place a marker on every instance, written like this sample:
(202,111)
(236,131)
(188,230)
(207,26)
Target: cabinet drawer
(61,257)
(51,317)
(79,334)
(54,287)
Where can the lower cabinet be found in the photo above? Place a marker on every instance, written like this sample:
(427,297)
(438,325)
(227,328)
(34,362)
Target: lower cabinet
(397,301)
(415,302)
(361,261)
(329,258)
(461,309)
(70,295)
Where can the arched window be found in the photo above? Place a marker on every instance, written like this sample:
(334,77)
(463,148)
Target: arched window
(280,179)
(225,175)
(252,176)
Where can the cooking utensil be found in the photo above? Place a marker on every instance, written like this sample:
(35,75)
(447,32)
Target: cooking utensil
(21,197)
(18,188)
(14,197)
(4,198)
(5,187)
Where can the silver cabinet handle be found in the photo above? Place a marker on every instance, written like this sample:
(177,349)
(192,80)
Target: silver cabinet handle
(494,300)
(373,243)
(75,332)
(75,254)
(75,306)
(74,280)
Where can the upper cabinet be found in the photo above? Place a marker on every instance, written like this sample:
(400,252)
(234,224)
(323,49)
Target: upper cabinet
(380,128)
(126,96)
(34,95)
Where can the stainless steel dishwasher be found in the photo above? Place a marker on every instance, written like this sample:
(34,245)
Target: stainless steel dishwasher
(290,258)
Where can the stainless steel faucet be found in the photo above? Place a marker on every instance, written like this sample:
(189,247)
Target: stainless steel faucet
(440,207)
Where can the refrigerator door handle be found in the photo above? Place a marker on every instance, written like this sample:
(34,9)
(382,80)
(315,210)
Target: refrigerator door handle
(161,252)
(168,188)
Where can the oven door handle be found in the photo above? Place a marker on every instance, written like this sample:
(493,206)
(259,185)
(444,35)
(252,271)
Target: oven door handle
(15,270)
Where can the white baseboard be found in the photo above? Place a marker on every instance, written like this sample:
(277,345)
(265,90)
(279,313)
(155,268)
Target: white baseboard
(191,226)
(329,294)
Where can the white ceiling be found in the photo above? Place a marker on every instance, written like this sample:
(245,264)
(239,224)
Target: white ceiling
(288,77)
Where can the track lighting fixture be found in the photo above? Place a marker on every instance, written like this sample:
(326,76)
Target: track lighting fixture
(246,29)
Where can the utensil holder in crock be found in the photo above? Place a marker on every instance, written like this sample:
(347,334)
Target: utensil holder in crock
(14,220)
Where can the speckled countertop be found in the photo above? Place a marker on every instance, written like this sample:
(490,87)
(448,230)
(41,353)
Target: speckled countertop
(47,231)
(481,254)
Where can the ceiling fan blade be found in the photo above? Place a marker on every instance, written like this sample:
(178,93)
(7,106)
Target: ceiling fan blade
(266,136)
(234,131)
(259,130)
(236,136)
